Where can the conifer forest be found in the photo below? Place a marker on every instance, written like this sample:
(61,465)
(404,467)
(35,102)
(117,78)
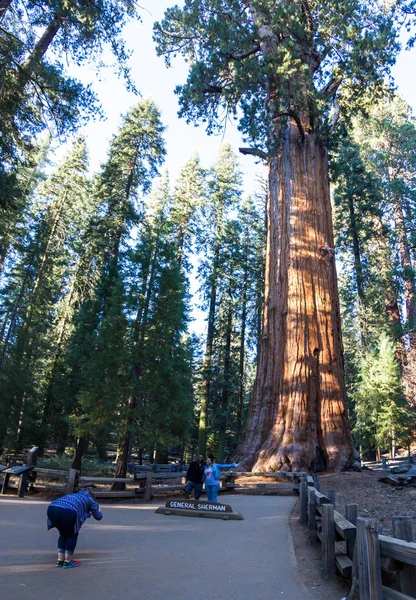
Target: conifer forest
(307,354)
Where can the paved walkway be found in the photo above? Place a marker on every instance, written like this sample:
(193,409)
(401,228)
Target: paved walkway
(135,554)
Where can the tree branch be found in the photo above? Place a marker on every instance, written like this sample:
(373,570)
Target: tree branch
(291,113)
(331,88)
(213,89)
(308,14)
(253,50)
(337,113)
(254,152)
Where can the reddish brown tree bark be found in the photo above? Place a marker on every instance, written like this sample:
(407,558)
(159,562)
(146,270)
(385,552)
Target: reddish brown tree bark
(298,418)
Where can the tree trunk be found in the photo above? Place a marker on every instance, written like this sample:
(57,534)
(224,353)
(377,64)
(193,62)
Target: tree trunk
(357,266)
(125,447)
(240,399)
(139,334)
(409,280)
(225,400)
(80,452)
(206,382)
(298,417)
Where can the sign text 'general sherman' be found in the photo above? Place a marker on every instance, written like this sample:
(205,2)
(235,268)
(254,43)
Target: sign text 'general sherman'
(216,506)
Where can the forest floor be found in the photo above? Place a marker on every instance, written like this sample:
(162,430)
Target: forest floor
(374,499)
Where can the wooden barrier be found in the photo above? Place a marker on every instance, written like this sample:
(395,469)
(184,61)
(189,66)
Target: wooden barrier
(367,553)
(151,483)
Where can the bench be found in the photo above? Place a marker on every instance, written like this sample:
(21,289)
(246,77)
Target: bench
(22,472)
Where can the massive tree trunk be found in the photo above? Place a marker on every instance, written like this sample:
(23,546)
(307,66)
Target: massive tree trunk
(298,417)
(409,280)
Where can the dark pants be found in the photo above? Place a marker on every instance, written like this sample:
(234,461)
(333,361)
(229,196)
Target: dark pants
(197,487)
(64,520)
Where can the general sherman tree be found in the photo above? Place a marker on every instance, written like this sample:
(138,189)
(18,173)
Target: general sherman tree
(286,69)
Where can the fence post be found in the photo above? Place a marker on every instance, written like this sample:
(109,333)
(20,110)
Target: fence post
(369,563)
(72,485)
(303,502)
(351,512)
(312,516)
(406,578)
(328,540)
(148,488)
(331,495)
(317,483)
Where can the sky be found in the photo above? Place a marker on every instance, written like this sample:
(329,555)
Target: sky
(157,82)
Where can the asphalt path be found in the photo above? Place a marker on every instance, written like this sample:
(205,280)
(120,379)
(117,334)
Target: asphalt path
(134,553)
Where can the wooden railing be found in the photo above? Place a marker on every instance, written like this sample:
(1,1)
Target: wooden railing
(380,567)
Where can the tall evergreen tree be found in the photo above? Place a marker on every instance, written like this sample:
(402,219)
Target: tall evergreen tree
(32,327)
(135,154)
(224,191)
(289,67)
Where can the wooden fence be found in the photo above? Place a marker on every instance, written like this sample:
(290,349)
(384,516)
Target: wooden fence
(148,483)
(380,567)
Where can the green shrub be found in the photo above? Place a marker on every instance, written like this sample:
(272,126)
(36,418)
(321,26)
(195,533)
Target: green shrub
(92,467)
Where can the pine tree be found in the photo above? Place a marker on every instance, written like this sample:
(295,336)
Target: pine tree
(32,328)
(382,421)
(135,154)
(224,191)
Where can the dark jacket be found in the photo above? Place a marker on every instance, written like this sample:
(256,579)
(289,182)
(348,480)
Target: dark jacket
(195,472)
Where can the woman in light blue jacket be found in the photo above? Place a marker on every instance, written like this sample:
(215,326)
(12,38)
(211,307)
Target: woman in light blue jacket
(212,474)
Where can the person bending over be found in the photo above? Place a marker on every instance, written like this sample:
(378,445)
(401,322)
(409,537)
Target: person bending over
(68,514)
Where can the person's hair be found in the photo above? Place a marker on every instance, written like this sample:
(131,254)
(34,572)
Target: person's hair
(212,457)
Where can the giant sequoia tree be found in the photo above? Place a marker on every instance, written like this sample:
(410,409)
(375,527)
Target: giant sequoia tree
(289,68)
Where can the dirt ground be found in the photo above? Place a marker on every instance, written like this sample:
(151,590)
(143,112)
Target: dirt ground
(374,499)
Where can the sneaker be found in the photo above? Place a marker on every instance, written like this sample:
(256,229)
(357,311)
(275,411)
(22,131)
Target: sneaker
(186,496)
(59,563)
(71,564)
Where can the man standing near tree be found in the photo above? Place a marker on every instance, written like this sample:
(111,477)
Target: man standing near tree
(195,477)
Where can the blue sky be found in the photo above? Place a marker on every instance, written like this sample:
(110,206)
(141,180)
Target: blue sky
(155,81)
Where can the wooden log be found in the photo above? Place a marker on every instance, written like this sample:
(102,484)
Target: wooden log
(51,472)
(328,541)
(311,516)
(115,494)
(351,513)
(321,498)
(345,529)
(148,488)
(107,479)
(344,564)
(406,577)
(398,549)
(369,565)
(160,476)
(72,481)
(389,594)
(162,489)
(303,502)
(331,495)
